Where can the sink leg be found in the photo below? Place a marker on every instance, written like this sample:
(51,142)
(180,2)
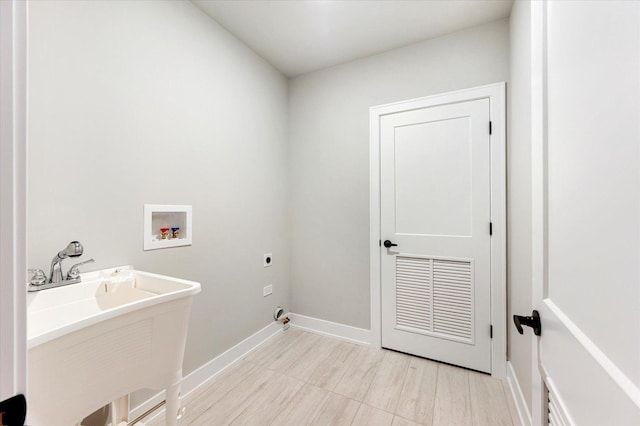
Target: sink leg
(173,404)
(120,410)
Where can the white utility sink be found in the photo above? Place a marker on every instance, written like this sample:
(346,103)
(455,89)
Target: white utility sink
(94,342)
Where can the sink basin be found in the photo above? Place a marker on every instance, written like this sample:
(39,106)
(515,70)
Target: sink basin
(94,342)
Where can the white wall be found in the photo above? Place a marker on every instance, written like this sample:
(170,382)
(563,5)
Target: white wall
(519,192)
(329,157)
(135,102)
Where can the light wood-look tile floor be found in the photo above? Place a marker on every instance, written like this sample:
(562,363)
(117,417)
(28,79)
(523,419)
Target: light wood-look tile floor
(300,378)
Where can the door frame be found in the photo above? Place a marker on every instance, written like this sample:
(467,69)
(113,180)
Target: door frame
(538,188)
(496,94)
(13,198)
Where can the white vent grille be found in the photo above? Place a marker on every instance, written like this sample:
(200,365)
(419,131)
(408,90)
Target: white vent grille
(414,293)
(435,297)
(452,298)
(554,413)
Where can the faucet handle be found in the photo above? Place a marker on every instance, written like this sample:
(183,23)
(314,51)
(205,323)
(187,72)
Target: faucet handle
(73,271)
(38,277)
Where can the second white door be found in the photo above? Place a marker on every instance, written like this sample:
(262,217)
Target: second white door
(435,205)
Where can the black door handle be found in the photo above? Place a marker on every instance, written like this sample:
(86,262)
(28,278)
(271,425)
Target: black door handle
(388,244)
(13,411)
(533,321)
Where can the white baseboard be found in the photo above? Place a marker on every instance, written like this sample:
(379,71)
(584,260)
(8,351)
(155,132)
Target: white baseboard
(518,396)
(333,329)
(203,374)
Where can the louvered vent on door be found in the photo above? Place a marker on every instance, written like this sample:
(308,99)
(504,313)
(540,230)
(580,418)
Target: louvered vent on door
(413,292)
(555,415)
(453,298)
(435,296)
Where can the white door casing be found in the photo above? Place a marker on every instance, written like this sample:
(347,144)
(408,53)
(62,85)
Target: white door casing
(13,173)
(586,212)
(434,250)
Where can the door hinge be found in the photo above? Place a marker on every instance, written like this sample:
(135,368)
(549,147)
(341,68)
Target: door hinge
(490,128)
(490,228)
(380,243)
(491,331)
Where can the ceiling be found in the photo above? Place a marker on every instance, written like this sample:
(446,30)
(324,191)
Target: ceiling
(299,36)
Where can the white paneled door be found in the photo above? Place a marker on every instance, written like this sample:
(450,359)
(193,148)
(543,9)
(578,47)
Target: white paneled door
(435,213)
(586,216)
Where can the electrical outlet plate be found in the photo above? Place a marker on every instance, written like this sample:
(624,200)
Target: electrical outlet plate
(267,260)
(267,290)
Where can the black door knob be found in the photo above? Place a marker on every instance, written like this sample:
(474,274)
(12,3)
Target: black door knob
(533,321)
(388,244)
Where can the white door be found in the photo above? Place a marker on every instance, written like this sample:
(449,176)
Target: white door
(435,204)
(587,212)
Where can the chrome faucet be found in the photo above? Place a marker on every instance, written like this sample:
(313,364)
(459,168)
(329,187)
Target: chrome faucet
(39,280)
(74,249)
